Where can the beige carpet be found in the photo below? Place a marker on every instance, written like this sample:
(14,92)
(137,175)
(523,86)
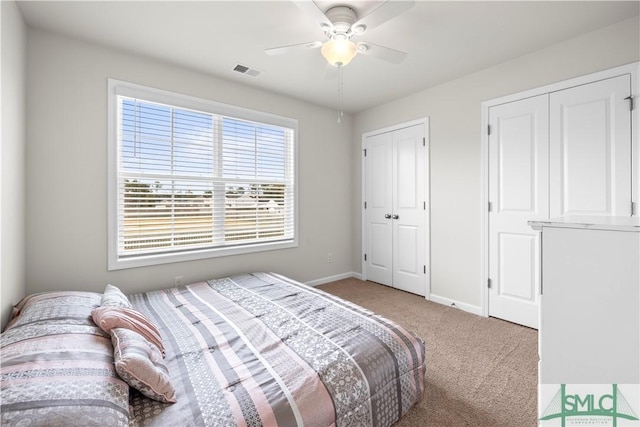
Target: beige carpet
(481,372)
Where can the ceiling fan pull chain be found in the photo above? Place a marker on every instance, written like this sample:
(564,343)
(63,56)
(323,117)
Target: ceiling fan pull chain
(340,89)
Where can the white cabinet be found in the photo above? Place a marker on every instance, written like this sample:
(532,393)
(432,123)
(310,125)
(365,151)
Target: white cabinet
(590,303)
(395,208)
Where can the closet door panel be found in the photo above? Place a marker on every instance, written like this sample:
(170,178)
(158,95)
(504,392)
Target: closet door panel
(517,164)
(518,192)
(379,197)
(379,187)
(517,280)
(379,254)
(406,162)
(407,262)
(409,203)
(590,148)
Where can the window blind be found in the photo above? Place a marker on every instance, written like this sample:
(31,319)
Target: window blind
(191,180)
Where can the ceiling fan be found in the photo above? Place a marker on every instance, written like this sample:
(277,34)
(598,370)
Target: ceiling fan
(340,25)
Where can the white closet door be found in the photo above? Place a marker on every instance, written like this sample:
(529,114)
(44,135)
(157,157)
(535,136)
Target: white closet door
(379,198)
(590,145)
(395,229)
(518,192)
(409,206)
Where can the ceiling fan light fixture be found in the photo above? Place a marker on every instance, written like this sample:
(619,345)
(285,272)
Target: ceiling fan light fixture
(339,52)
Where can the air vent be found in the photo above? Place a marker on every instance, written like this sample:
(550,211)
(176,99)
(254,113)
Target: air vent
(243,69)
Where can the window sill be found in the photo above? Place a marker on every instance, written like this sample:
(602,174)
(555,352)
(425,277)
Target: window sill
(116,263)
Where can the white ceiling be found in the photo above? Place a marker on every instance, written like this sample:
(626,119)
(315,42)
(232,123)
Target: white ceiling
(444,39)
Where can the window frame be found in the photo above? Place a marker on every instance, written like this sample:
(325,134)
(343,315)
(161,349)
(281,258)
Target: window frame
(121,88)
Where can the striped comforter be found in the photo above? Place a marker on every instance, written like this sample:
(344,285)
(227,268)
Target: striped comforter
(261,349)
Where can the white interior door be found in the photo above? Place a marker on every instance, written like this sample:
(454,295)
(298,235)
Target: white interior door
(409,205)
(590,143)
(518,192)
(379,198)
(395,229)
(563,153)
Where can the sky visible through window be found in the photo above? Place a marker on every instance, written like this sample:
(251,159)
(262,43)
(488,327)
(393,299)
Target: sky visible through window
(162,140)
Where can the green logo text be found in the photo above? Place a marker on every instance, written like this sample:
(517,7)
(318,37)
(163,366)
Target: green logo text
(613,405)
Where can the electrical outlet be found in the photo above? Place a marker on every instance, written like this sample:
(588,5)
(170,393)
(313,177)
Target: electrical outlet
(177,281)
(329,257)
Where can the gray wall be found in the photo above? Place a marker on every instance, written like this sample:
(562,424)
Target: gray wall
(67,171)
(66,240)
(12,159)
(454,111)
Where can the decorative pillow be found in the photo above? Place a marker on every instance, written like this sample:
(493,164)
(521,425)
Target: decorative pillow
(113,297)
(140,364)
(108,318)
(59,307)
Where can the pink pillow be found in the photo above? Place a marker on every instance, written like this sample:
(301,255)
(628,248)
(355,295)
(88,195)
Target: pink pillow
(113,297)
(140,364)
(108,318)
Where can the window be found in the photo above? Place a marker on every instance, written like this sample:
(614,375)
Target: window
(191,178)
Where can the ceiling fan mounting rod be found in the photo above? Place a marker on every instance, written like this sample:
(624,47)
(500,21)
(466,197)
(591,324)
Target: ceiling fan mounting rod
(342,18)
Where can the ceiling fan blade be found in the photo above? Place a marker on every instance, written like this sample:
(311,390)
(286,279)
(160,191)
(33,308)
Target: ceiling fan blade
(292,48)
(313,11)
(381,52)
(383,13)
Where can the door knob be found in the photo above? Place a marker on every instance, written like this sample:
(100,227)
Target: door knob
(387,216)
(395,217)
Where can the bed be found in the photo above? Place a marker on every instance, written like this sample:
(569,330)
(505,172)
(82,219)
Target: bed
(254,349)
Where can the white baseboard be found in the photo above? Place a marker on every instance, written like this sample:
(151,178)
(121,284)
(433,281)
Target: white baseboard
(456,304)
(434,298)
(328,279)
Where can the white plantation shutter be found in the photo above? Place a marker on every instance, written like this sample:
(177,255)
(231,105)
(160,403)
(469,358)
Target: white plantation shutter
(193,182)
